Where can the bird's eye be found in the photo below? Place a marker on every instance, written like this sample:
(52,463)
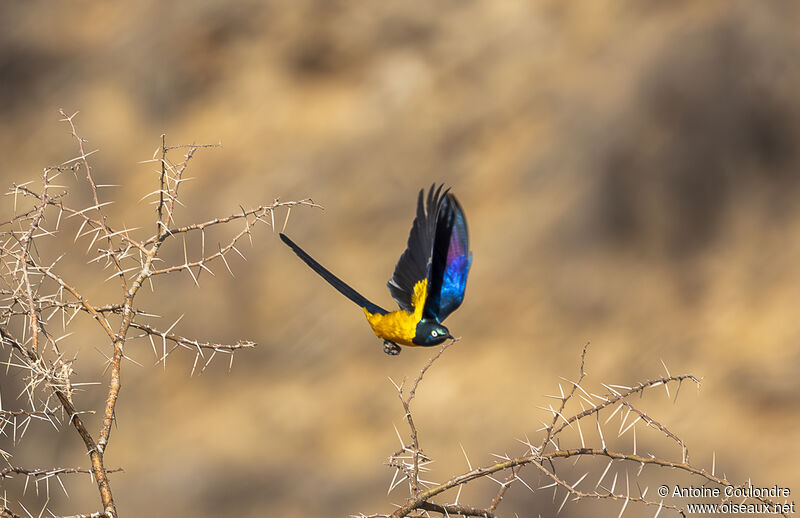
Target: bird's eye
(434,333)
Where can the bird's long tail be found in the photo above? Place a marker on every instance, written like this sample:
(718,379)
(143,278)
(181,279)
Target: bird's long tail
(333,280)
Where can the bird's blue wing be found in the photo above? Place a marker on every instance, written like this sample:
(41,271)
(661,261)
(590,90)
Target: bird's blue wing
(450,262)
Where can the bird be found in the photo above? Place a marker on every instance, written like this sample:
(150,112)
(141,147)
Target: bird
(428,282)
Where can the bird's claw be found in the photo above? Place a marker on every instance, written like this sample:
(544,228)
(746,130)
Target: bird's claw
(391,348)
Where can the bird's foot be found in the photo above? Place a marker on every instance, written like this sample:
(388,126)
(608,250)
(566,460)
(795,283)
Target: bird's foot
(391,348)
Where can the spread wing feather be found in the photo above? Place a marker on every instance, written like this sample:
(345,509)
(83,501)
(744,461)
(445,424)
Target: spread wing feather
(414,264)
(450,263)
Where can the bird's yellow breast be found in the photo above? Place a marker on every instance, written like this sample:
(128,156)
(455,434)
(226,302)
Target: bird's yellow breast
(400,326)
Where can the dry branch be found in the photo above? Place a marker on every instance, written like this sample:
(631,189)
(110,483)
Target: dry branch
(409,461)
(35,295)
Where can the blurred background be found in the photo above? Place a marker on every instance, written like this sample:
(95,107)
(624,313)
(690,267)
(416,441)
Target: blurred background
(629,172)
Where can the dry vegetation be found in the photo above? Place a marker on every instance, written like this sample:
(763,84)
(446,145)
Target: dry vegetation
(39,303)
(562,440)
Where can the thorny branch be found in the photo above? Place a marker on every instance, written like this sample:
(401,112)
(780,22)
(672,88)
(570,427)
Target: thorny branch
(409,461)
(411,471)
(48,472)
(34,293)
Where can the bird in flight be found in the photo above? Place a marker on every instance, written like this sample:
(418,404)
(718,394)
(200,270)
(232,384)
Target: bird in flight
(428,282)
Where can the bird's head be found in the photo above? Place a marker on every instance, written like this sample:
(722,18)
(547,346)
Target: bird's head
(430,332)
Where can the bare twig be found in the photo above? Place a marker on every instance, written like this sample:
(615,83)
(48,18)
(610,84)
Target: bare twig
(47,472)
(34,291)
(545,456)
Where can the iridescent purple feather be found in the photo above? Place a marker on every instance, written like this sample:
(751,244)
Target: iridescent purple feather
(450,262)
